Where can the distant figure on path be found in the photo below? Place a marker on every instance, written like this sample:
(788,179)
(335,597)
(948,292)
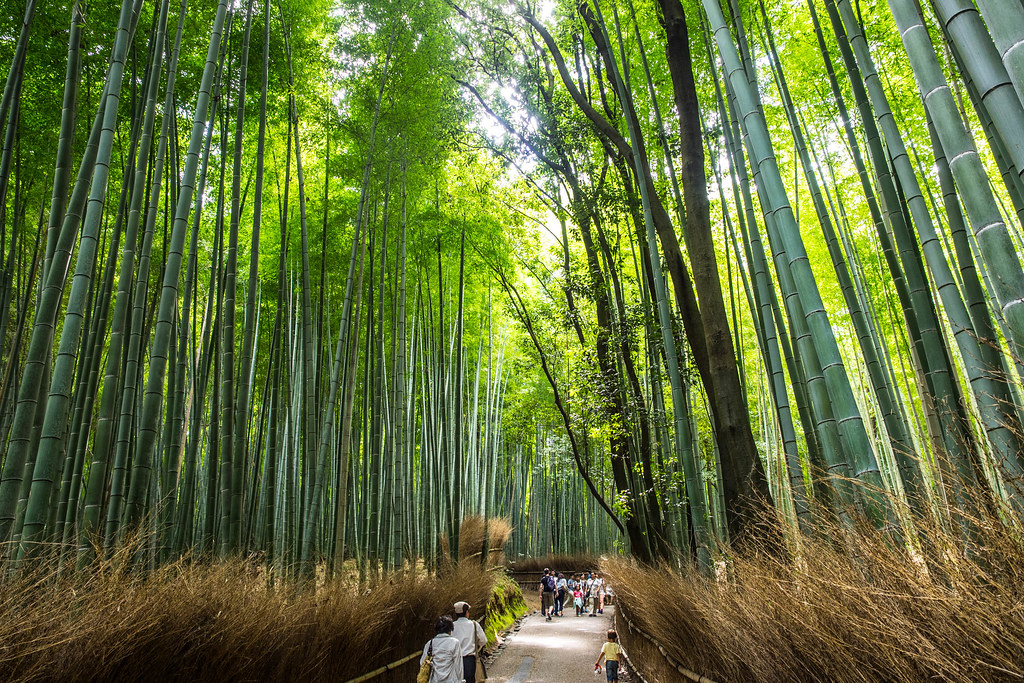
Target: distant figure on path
(471,637)
(561,593)
(577,600)
(599,591)
(610,654)
(446,651)
(547,594)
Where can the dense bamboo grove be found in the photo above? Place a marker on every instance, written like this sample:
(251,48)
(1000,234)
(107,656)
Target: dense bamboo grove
(823,304)
(311,282)
(258,325)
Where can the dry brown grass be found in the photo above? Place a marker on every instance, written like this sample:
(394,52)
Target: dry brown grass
(560,563)
(870,613)
(219,622)
(475,531)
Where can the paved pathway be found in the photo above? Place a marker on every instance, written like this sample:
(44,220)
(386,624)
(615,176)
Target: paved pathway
(562,650)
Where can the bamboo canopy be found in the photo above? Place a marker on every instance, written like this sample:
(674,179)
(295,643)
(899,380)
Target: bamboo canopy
(312,283)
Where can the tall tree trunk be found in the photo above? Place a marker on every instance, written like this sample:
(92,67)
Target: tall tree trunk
(747,496)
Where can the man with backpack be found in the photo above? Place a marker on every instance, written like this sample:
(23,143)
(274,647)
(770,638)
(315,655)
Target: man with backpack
(547,594)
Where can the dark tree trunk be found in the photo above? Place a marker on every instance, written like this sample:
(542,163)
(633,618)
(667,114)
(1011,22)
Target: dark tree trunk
(747,496)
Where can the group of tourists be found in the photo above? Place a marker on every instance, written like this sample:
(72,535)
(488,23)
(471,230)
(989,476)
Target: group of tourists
(586,592)
(452,656)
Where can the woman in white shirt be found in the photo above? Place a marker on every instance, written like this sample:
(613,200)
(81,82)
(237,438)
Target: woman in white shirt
(561,592)
(446,666)
(599,589)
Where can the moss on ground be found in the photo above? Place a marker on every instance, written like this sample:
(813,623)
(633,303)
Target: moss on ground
(506,604)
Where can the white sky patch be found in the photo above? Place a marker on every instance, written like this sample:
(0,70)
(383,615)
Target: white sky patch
(548,240)
(546,10)
(493,130)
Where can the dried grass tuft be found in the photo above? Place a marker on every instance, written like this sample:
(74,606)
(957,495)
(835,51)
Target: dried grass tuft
(219,622)
(582,562)
(476,532)
(871,611)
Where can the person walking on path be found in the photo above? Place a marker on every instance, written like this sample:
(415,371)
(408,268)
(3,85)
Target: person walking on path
(472,639)
(599,588)
(577,600)
(588,603)
(610,652)
(547,594)
(561,592)
(446,664)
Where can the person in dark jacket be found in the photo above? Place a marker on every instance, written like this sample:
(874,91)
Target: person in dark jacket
(547,594)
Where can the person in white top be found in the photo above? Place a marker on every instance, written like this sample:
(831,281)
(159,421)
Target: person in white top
(598,589)
(471,637)
(561,593)
(446,665)
(588,594)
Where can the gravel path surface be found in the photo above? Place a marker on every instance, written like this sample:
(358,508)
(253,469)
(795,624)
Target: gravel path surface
(562,650)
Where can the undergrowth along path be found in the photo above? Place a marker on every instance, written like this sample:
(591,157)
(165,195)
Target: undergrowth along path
(562,650)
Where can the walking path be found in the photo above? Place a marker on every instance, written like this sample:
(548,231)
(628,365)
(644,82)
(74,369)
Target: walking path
(562,650)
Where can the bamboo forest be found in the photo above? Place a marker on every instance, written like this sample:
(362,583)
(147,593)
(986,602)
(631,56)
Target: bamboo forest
(319,316)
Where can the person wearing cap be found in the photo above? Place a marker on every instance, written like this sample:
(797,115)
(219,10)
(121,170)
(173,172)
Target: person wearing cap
(471,638)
